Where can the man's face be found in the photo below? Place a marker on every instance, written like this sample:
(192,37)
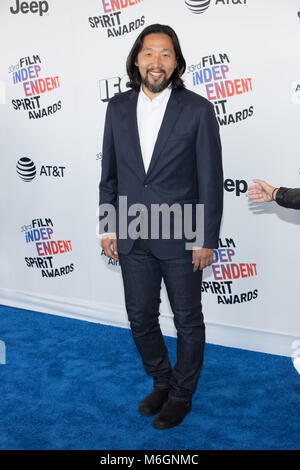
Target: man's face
(156,61)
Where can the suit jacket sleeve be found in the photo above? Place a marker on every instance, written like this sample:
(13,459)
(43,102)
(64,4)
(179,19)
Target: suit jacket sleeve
(108,187)
(288,197)
(210,174)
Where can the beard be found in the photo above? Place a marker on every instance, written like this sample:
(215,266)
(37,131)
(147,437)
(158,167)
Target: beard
(160,86)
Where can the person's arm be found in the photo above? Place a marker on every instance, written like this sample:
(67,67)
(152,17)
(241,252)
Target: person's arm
(288,197)
(210,183)
(264,192)
(108,185)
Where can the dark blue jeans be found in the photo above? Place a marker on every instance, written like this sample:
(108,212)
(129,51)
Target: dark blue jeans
(142,275)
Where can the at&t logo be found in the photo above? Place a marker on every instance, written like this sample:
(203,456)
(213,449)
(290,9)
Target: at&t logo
(200,6)
(27,171)
(197,6)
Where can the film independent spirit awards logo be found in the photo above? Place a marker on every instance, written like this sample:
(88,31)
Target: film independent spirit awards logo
(200,6)
(227,271)
(212,76)
(34,86)
(114,17)
(47,252)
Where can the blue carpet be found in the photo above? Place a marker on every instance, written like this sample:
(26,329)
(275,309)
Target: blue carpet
(70,384)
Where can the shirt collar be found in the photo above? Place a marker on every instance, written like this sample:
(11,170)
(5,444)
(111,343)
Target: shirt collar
(158,99)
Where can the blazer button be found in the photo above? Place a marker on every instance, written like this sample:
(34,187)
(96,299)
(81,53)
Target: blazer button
(146,185)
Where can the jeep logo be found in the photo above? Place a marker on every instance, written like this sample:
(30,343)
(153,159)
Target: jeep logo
(237,186)
(34,7)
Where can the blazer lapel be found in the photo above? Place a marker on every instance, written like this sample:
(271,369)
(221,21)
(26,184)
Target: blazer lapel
(173,109)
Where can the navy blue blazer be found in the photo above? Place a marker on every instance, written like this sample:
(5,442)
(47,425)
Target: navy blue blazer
(186,165)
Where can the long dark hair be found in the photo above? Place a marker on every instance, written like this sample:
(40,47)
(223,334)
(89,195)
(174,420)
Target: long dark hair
(132,69)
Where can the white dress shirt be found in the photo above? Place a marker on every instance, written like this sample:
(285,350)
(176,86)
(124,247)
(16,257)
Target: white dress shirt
(150,114)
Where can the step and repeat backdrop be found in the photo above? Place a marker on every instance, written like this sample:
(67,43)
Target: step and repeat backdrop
(61,63)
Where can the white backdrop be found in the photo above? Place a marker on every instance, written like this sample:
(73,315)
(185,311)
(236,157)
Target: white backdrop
(61,60)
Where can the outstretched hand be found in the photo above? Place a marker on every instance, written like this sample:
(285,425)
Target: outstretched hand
(262,192)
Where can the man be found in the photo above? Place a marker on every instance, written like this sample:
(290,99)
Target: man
(161,145)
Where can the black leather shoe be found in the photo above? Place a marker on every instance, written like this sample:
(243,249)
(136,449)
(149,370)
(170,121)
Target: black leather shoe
(153,402)
(172,414)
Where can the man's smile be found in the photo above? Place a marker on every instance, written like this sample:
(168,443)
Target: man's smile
(156,75)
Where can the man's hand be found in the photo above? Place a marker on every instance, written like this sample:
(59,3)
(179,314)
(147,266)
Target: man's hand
(109,245)
(262,192)
(202,257)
